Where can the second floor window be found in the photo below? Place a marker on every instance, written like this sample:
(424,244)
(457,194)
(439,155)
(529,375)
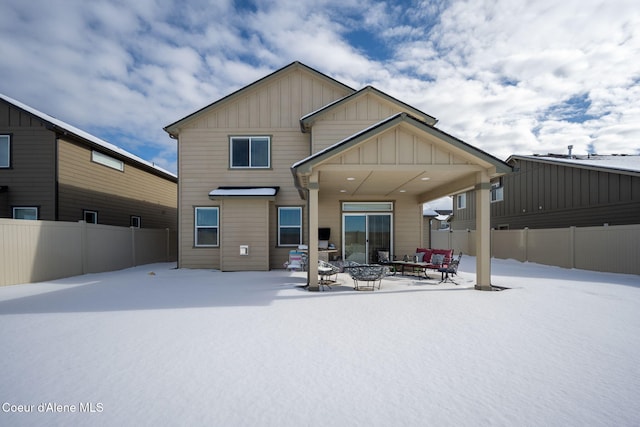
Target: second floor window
(250,152)
(497,191)
(462,201)
(5,151)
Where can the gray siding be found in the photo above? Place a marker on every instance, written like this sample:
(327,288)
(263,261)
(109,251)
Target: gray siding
(31,177)
(542,195)
(58,177)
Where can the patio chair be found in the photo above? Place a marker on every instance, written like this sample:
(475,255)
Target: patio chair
(325,271)
(450,270)
(367,273)
(296,261)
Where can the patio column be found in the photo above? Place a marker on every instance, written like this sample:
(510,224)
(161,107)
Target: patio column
(483,232)
(313,237)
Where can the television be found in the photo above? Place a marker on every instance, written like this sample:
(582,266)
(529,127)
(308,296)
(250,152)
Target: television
(324,233)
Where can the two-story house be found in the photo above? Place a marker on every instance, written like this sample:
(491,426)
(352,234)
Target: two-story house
(558,191)
(297,152)
(50,170)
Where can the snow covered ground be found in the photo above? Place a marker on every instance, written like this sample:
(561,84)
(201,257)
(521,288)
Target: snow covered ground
(201,347)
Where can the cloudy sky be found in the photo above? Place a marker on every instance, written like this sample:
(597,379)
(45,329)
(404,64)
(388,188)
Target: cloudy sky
(508,76)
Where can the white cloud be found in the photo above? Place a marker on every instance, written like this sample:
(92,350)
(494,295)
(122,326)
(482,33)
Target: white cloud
(489,71)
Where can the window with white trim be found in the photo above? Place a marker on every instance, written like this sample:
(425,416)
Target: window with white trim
(107,161)
(250,152)
(289,226)
(25,212)
(497,190)
(206,227)
(5,151)
(90,217)
(461,201)
(136,221)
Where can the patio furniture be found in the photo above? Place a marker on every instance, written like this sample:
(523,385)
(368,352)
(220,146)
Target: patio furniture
(423,260)
(370,274)
(296,261)
(450,270)
(325,271)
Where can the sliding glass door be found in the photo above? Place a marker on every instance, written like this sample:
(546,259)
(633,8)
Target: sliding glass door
(363,235)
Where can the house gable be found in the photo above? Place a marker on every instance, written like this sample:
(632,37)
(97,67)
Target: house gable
(275,101)
(399,154)
(354,113)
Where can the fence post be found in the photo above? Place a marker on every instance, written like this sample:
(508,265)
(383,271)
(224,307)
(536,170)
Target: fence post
(572,246)
(167,237)
(133,246)
(85,246)
(526,244)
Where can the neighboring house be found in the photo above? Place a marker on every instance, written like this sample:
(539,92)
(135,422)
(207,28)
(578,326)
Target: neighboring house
(298,153)
(434,220)
(50,170)
(557,191)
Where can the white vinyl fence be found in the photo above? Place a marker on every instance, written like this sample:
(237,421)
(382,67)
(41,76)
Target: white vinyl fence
(613,249)
(34,251)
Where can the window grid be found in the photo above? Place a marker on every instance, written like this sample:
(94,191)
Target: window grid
(289,226)
(250,152)
(206,233)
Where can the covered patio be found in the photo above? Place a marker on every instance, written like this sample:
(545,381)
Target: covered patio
(399,158)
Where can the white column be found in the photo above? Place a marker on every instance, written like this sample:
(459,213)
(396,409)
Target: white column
(313,237)
(483,232)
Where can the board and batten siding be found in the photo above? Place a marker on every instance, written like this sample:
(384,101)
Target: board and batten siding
(244,222)
(115,195)
(31,177)
(350,118)
(543,195)
(271,108)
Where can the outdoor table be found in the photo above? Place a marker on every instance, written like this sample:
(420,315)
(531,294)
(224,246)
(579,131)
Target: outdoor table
(402,265)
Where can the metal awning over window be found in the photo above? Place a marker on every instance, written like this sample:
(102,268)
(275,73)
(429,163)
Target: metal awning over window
(249,192)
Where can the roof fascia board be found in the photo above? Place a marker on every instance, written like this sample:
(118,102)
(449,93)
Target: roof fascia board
(598,168)
(305,166)
(174,128)
(64,133)
(61,128)
(309,119)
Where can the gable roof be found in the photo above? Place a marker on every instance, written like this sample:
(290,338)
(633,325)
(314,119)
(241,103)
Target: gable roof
(59,126)
(307,120)
(308,163)
(174,127)
(625,164)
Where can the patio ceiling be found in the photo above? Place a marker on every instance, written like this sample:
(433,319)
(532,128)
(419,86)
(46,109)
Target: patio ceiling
(419,181)
(375,162)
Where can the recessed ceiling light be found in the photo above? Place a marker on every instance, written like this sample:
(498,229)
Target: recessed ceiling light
(351,178)
(426,178)
(343,191)
(403,191)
